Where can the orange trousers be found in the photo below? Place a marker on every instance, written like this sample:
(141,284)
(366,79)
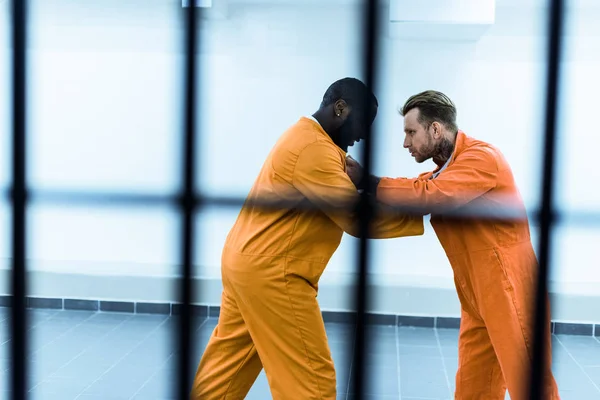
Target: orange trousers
(269,318)
(495,344)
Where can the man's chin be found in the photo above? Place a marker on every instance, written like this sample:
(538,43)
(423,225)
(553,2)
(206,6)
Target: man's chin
(421,159)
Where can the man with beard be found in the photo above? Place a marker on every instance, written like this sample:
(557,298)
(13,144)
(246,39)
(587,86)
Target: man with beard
(273,257)
(493,260)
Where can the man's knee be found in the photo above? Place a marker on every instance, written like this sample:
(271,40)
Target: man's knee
(482,384)
(313,380)
(225,377)
(206,392)
(479,374)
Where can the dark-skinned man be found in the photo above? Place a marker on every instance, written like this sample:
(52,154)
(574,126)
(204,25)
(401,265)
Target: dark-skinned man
(273,258)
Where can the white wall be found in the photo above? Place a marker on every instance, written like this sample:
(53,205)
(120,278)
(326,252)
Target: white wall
(499,87)
(105,115)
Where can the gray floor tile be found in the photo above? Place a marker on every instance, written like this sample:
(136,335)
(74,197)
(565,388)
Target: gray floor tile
(579,394)
(585,350)
(408,336)
(380,381)
(594,374)
(560,355)
(118,355)
(569,377)
(430,398)
(431,391)
(427,398)
(68,387)
(341,349)
(449,351)
(451,364)
(423,376)
(421,351)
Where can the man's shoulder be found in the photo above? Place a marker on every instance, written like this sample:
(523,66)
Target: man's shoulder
(307,137)
(485,149)
(304,140)
(300,135)
(473,144)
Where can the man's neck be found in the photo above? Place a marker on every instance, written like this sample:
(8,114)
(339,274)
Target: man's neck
(318,115)
(323,121)
(445,150)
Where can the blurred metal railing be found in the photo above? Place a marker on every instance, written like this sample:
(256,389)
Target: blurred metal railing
(189,200)
(547,202)
(19,202)
(188,204)
(365,206)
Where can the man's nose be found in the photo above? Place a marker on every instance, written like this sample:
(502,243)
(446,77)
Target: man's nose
(406,143)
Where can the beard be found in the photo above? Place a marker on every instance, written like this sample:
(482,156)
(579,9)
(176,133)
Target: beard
(438,151)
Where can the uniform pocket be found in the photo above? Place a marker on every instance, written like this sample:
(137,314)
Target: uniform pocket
(307,270)
(501,263)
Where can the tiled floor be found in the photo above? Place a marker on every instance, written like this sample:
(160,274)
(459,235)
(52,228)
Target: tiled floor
(84,355)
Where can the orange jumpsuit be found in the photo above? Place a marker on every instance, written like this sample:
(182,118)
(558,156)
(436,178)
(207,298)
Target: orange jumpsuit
(271,264)
(494,267)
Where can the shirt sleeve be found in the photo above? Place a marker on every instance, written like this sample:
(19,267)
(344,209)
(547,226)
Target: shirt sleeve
(320,176)
(473,174)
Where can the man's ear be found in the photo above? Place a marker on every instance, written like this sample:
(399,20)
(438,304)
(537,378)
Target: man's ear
(342,109)
(437,130)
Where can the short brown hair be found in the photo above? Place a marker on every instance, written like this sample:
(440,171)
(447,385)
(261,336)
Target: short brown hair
(433,107)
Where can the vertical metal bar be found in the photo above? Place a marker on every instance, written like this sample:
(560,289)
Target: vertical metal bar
(547,209)
(188,204)
(365,206)
(19,322)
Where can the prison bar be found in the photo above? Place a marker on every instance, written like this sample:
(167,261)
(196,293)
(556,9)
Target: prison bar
(122,199)
(188,206)
(365,207)
(546,209)
(19,197)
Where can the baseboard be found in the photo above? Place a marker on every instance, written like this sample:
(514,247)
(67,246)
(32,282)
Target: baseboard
(211,311)
(393,299)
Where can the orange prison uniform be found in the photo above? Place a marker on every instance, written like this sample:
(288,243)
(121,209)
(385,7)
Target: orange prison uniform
(271,264)
(494,267)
